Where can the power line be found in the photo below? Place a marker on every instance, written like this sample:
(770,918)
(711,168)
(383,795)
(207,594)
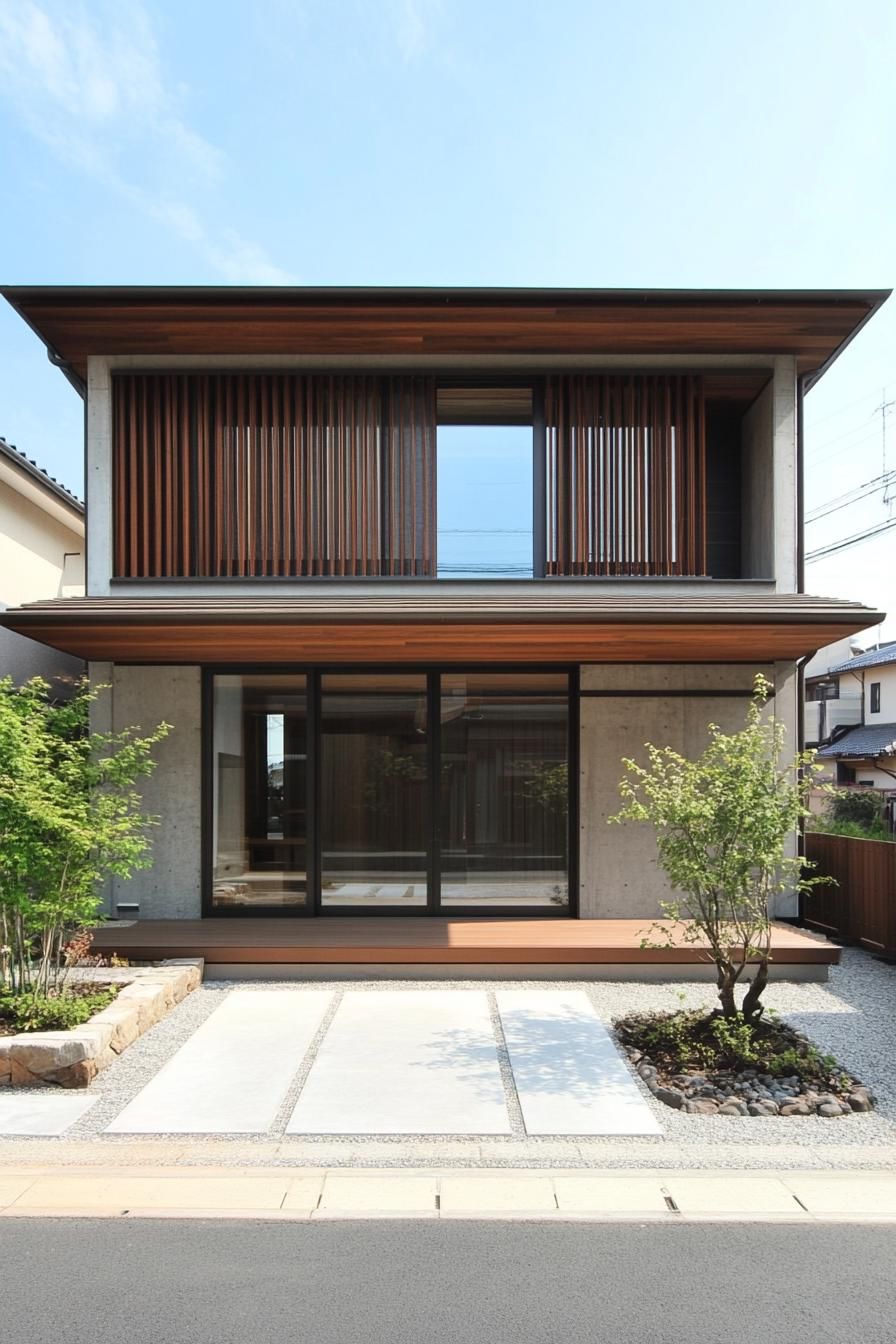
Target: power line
(852,496)
(854,540)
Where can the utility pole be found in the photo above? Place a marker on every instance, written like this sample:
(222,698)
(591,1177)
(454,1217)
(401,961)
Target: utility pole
(885,408)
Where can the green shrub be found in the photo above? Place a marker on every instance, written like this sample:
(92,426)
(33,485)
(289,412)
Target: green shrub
(853,830)
(28,1012)
(862,806)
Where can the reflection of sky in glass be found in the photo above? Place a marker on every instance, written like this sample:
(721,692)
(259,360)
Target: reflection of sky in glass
(275,739)
(485,501)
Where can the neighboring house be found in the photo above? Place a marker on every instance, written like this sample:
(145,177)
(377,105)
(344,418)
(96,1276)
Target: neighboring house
(41,556)
(861,742)
(353,732)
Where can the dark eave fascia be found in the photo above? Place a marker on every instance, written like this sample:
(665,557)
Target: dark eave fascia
(548,607)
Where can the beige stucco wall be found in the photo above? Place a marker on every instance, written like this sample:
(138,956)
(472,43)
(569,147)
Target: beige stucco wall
(886,675)
(618,873)
(144,696)
(41,556)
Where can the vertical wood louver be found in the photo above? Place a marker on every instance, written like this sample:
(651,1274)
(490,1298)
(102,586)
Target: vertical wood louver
(266,475)
(625,487)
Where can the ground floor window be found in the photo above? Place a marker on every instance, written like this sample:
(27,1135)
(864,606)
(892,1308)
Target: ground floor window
(405,791)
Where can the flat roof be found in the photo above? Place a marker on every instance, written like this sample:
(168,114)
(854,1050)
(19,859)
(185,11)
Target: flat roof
(75,322)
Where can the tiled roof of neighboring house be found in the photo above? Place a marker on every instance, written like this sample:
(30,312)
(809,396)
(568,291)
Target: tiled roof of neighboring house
(873,658)
(864,742)
(11,452)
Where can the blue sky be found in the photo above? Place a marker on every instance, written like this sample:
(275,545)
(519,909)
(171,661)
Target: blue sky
(466,142)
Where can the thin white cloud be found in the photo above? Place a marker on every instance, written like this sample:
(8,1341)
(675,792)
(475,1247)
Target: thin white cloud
(414,21)
(90,85)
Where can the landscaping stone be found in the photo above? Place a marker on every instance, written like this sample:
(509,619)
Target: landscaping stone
(748,1091)
(734,1108)
(701,1106)
(829,1109)
(74,1058)
(762,1107)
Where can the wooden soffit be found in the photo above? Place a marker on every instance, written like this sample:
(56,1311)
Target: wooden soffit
(575,628)
(76,322)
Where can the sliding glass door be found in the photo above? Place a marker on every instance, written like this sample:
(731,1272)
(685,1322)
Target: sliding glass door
(259,788)
(504,789)
(374,782)
(399,791)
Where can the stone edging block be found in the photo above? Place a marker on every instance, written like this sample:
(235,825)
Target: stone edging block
(74,1058)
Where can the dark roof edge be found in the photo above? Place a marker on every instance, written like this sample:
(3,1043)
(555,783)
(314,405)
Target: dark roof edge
(411,293)
(43,479)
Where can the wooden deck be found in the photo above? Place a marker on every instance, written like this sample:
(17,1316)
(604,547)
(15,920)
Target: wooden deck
(403,941)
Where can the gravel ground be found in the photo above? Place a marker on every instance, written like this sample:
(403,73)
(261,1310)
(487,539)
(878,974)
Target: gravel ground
(851,1017)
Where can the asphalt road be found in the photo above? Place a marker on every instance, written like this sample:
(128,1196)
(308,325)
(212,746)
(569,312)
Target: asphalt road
(229,1282)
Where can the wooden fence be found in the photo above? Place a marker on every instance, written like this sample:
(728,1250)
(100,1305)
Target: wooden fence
(861,908)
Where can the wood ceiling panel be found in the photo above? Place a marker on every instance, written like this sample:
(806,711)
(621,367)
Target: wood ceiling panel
(78,323)
(442,642)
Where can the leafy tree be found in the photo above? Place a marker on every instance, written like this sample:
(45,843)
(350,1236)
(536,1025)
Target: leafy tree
(70,815)
(722,825)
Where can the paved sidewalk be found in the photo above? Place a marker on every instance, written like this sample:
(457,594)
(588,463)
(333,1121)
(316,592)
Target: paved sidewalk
(670,1196)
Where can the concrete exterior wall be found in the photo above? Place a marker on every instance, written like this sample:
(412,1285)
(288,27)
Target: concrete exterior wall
(618,873)
(98,480)
(144,696)
(769,480)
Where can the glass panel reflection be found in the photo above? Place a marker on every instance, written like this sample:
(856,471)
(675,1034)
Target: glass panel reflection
(504,793)
(374,813)
(259,783)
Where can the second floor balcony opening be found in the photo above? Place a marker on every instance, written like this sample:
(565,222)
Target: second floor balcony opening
(484,500)
(366,475)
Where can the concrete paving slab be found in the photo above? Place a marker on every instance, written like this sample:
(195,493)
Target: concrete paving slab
(397,1193)
(732,1195)
(609,1194)
(570,1077)
(405,1062)
(41,1113)
(513,1193)
(233,1073)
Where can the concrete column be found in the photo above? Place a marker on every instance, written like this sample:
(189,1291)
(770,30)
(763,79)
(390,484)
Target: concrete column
(787,709)
(101,721)
(143,697)
(98,482)
(786,520)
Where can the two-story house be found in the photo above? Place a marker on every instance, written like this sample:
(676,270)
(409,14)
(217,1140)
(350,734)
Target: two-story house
(861,743)
(367,717)
(41,556)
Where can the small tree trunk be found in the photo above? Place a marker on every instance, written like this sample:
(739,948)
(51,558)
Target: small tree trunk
(726,980)
(752,1008)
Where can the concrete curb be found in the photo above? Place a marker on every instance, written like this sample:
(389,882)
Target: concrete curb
(275,1193)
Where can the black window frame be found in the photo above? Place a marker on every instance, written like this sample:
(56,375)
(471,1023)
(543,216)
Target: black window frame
(874,697)
(433,906)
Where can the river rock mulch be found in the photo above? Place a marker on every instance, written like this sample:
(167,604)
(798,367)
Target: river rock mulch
(662,1048)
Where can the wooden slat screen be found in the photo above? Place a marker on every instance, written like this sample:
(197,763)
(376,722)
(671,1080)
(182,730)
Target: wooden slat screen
(625,475)
(265,475)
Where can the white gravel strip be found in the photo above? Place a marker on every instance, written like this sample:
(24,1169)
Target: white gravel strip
(853,1017)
